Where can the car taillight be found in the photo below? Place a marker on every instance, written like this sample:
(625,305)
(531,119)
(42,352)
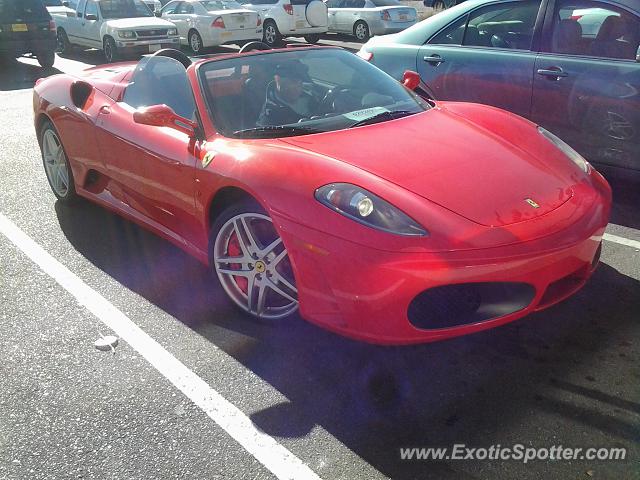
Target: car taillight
(368,56)
(52,26)
(575,17)
(259,21)
(385,15)
(218,23)
(288,8)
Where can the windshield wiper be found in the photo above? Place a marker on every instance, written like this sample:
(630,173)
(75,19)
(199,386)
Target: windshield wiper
(275,131)
(380,117)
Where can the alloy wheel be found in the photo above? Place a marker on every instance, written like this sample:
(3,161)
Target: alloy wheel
(253,267)
(55,163)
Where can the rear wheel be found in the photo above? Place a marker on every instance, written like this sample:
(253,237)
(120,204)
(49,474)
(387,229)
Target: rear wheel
(195,42)
(252,263)
(110,50)
(270,34)
(56,164)
(46,59)
(361,31)
(312,38)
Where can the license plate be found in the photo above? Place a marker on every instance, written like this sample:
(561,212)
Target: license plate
(226,34)
(403,17)
(299,23)
(154,48)
(19,27)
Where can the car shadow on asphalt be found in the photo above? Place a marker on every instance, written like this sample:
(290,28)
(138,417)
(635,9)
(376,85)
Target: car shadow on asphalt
(475,390)
(16,75)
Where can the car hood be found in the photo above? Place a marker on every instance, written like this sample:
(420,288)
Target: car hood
(486,173)
(140,22)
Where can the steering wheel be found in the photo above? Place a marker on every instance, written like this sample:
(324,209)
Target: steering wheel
(329,100)
(248,47)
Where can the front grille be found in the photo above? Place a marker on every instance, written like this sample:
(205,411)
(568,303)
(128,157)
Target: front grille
(159,32)
(461,304)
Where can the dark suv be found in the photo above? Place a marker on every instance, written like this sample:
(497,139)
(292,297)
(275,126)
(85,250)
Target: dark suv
(26,27)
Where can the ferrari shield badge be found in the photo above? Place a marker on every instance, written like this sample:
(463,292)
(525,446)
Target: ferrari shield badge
(207,159)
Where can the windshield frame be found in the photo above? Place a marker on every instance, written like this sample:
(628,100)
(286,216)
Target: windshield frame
(212,117)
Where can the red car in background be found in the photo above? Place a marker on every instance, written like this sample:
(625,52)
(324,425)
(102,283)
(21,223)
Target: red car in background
(307,178)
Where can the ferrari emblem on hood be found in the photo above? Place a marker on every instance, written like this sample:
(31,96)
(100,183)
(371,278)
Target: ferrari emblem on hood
(532,202)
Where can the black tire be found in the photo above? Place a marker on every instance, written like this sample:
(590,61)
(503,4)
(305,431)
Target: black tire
(270,34)
(71,196)
(110,50)
(46,59)
(64,46)
(439,5)
(312,38)
(195,42)
(246,207)
(361,31)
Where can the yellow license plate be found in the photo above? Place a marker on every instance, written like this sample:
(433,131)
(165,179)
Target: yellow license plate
(226,34)
(299,23)
(19,27)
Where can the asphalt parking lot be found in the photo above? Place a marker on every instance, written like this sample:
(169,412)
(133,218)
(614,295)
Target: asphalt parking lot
(317,405)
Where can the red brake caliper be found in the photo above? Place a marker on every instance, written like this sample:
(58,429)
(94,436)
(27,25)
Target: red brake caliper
(234,250)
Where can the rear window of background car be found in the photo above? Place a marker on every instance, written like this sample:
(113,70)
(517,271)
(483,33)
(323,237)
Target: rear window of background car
(22,10)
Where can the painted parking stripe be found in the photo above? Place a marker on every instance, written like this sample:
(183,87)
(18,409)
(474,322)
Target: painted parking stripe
(621,240)
(275,457)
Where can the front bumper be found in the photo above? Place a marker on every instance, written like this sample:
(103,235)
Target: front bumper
(366,293)
(143,46)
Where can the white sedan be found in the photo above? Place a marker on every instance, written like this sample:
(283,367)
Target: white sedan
(207,23)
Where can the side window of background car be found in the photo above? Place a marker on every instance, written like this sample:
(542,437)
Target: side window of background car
(503,25)
(595,29)
(453,34)
(333,3)
(92,9)
(170,8)
(80,10)
(185,8)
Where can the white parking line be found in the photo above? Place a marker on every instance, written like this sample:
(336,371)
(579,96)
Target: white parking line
(280,461)
(621,240)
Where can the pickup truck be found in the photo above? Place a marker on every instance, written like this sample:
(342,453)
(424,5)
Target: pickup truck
(117,27)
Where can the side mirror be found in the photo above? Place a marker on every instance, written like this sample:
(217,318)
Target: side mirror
(411,79)
(158,13)
(164,116)
(91,16)
(65,4)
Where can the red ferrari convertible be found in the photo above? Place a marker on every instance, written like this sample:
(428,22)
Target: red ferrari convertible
(307,178)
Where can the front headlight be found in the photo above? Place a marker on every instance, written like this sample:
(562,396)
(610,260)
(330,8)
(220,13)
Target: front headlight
(369,209)
(172,31)
(574,156)
(126,34)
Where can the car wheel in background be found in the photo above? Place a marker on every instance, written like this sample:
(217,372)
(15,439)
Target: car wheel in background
(314,38)
(110,50)
(46,59)
(361,31)
(64,46)
(195,42)
(270,34)
(56,164)
(252,263)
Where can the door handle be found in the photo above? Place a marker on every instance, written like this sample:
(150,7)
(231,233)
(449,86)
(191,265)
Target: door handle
(437,59)
(553,73)
(105,110)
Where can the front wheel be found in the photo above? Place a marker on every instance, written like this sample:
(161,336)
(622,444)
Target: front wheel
(56,165)
(361,31)
(110,50)
(46,59)
(312,38)
(252,263)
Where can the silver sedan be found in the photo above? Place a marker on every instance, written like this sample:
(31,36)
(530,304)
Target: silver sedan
(365,18)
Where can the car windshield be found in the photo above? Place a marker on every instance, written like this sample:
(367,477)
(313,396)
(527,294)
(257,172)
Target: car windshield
(385,3)
(124,9)
(25,10)
(214,5)
(296,92)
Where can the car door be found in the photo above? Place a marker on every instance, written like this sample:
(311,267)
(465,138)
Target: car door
(485,56)
(90,26)
(73,24)
(346,16)
(587,82)
(153,168)
(178,14)
(332,10)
